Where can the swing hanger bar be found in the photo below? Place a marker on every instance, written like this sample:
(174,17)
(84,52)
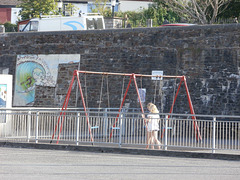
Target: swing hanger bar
(127,74)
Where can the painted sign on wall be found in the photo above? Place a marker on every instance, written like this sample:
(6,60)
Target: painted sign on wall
(5,98)
(41,70)
(3,95)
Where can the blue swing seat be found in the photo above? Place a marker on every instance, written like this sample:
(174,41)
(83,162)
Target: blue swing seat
(94,127)
(168,128)
(115,128)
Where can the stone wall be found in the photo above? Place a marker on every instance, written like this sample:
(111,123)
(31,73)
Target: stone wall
(54,96)
(208,56)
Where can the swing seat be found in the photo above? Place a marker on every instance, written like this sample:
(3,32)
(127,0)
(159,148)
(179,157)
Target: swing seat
(94,127)
(168,128)
(115,128)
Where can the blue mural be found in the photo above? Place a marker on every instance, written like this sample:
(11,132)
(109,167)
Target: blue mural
(3,95)
(37,70)
(28,75)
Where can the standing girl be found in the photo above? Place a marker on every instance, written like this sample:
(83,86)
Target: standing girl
(153,126)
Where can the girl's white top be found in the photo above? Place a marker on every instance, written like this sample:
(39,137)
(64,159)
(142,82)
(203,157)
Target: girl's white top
(153,120)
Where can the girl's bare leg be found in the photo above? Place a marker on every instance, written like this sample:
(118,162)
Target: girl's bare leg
(149,137)
(152,140)
(155,139)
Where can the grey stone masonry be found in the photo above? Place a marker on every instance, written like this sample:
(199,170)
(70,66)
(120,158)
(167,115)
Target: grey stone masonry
(209,57)
(54,96)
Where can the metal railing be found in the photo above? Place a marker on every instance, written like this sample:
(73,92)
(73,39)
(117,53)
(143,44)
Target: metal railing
(104,127)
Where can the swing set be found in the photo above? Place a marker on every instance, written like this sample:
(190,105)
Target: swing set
(132,77)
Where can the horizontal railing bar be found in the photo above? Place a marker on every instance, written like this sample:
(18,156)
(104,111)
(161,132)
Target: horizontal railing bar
(173,116)
(2,110)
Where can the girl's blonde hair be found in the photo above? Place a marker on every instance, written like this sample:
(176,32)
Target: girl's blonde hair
(152,108)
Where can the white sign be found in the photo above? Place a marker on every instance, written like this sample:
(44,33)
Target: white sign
(157,73)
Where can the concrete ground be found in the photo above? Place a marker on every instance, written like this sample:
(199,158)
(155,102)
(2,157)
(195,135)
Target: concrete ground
(63,162)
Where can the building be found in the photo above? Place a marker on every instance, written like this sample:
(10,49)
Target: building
(9,11)
(133,5)
(85,6)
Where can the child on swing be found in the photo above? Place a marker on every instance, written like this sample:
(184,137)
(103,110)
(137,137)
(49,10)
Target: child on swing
(152,126)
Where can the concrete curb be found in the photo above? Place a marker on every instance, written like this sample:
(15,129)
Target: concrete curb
(96,149)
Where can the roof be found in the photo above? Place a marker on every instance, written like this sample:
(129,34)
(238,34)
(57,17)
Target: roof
(9,2)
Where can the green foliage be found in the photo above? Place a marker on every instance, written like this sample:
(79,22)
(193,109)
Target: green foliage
(33,8)
(233,10)
(100,7)
(160,13)
(157,12)
(134,18)
(10,27)
(70,9)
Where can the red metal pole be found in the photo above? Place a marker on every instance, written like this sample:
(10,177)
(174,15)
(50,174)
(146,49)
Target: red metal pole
(69,91)
(58,121)
(139,98)
(67,100)
(175,98)
(129,83)
(198,135)
(176,95)
(128,74)
(64,104)
(84,106)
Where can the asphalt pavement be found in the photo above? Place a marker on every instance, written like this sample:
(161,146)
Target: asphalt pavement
(26,163)
(45,161)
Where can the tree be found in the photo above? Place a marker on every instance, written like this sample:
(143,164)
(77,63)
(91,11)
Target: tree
(100,7)
(10,27)
(70,9)
(233,10)
(200,11)
(159,13)
(34,8)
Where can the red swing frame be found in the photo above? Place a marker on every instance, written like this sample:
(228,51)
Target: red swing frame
(132,77)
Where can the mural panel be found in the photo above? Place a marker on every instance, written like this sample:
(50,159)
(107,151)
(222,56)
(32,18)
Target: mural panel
(3,95)
(32,70)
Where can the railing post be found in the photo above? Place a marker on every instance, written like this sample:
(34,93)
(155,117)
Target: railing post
(36,130)
(28,126)
(214,135)
(165,134)
(120,130)
(105,122)
(77,130)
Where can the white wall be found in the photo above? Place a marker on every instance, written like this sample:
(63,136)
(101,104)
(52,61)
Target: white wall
(80,7)
(15,15)
(133,5)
